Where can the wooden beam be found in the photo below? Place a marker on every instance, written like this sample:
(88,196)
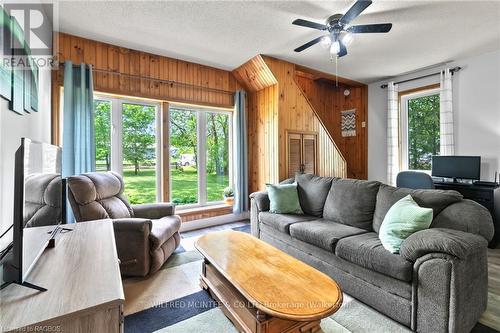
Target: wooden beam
(318,75)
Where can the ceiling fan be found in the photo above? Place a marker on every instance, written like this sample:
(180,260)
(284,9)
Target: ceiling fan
(340,33)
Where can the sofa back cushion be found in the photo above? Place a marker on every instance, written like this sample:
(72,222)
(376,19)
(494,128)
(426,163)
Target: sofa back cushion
(95,196)
(313,191)
(42,199)
(389,195)
(352,202)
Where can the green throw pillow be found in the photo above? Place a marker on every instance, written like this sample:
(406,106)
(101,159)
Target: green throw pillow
(404,218)
(284,199)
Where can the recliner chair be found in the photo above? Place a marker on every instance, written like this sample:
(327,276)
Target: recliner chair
(146,235)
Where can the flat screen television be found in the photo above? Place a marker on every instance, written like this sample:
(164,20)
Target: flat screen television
(457,167)
(39,207)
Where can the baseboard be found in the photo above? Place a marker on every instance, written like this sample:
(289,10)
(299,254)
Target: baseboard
(213,221)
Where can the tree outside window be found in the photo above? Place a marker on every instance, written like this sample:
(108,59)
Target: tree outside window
(423,131)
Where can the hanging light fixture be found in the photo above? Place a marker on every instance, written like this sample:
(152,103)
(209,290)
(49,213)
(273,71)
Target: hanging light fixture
(347,38)
(326,42)
(335,48)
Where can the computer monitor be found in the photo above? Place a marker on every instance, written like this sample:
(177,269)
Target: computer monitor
(457,167)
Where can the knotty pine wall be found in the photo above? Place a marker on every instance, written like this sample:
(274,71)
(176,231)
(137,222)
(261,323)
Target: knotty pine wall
(296,114)
(194,83)
(276,104)
(329,101)
(263,138)
(172,81)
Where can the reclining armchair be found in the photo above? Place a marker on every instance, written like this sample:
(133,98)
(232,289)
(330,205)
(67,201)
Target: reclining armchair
(146,235)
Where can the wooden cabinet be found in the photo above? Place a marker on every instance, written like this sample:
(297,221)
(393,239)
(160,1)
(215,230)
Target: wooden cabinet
(85,292)
(302,152)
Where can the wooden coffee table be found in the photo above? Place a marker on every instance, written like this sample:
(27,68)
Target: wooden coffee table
(263,290)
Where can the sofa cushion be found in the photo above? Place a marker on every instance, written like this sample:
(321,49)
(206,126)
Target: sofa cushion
(322,233)
(163,229)
(367,251)
(282,222)
(352,202)
(435,199)
(313,191)
(403,219)
(283,199)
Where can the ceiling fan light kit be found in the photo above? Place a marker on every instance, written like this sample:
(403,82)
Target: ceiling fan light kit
(340,33)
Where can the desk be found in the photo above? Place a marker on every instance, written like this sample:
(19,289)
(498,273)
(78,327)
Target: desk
(85,292)
(488,196)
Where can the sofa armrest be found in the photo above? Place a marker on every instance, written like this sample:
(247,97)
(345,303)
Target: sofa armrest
(133,245)
(450,279)
(439,240)
(153,211)
(132,225)
(261,200)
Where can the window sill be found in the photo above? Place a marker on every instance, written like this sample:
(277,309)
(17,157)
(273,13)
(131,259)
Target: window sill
(197,213)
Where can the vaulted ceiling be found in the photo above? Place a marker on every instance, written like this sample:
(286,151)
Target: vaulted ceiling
(225,34)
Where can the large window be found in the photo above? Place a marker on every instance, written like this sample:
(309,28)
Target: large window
(200,155)
(127,140)
(102,109)
(420,129)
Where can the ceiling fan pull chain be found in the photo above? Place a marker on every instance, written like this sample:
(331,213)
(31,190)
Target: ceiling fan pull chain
(336,71)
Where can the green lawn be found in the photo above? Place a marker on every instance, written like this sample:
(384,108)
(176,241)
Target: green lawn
(141,188)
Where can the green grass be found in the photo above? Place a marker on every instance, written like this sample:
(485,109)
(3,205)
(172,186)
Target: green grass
(141,188)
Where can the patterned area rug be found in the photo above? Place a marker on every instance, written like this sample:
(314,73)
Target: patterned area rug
(172,301)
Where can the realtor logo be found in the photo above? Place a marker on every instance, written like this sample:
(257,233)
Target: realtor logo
(35,20)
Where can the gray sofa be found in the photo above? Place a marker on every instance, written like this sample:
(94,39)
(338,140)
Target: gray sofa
(437,283)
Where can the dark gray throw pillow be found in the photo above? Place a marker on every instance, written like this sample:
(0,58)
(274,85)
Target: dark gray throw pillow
(352,202)
(389,195)
(312,193)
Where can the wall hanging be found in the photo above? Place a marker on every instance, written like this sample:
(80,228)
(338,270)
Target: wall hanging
(5,70)
(18,70)
(348,123)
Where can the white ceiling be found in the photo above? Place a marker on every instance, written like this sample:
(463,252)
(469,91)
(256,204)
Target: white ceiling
(225,34)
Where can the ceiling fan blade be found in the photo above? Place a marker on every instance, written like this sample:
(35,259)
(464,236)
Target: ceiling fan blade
(308,44)
(342,51)
(354,11)
(309,24)
(370,28)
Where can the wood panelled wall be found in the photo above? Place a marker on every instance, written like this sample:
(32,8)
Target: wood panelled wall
(296,114)
(328,101)
(128,72)
(263,137)
(274,109)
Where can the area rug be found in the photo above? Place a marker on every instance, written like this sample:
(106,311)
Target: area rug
(172,301)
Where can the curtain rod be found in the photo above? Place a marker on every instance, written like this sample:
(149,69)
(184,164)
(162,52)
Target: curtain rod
(452,71)
(169,82)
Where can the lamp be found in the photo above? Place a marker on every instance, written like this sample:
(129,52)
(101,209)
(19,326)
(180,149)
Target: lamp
(335,48)
(347,39)
(325,42)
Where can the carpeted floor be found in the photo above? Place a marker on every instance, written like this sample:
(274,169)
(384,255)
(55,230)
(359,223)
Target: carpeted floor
(172,301)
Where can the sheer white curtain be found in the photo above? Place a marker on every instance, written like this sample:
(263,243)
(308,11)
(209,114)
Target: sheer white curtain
(392,133)
(447,145)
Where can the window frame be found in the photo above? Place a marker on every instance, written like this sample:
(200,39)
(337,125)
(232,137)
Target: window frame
(404,98)
(201,132)
(116,133)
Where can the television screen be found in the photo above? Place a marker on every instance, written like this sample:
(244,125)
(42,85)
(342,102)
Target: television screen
(38,205)
(460,167)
